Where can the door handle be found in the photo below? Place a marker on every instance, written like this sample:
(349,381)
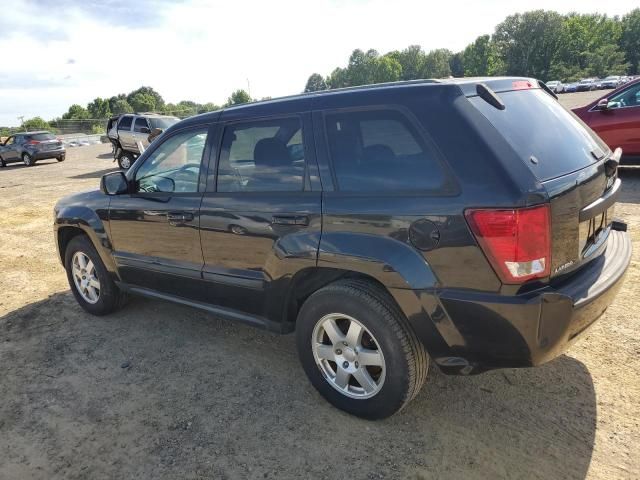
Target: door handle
(177,218)
(301,220)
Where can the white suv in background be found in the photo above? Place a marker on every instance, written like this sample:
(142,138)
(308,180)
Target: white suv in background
(132,131)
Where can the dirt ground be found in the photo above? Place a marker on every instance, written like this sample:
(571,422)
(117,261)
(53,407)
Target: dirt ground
(164,391)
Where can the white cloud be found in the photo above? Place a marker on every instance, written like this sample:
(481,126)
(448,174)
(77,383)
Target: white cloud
(204,50)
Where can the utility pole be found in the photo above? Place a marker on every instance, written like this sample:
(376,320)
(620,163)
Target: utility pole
(21,118)
(248,87)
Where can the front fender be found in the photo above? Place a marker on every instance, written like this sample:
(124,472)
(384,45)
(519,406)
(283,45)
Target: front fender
(92,223)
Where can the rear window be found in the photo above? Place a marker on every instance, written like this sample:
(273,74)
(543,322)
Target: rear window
(41,137)
(536,125)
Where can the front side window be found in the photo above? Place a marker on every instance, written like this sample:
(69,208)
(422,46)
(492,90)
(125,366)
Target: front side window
(140,124)
(263,156)
(174,166)
(627,98)
(379,151)
(125,123)
(10,141)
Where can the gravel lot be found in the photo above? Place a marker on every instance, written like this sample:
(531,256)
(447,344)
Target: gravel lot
(164,391)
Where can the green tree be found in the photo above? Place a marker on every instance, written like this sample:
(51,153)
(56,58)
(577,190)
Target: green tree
(481,58)
(529,42)
(208,107)
(142,102)
(157,101)
(99,108)
(606,60)
(630,40)
(119,106)
(315,83)
(35,123)
(238,97)
(338,78)
(386,69)
(76,112)
(412,60)
(456,64)
(436,64)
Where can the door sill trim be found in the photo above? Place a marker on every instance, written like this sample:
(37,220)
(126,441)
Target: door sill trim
(223,312)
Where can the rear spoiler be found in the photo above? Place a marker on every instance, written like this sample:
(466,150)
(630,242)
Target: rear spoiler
(499,85)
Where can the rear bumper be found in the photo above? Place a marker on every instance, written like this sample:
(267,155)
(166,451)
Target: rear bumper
(40,155)
(485,331)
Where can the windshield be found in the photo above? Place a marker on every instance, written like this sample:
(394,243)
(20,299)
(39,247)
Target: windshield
(586,81)
(612,78)
(550,139)
(163,123)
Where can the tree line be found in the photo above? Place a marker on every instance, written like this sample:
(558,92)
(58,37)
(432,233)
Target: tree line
(541,44)
(90,119)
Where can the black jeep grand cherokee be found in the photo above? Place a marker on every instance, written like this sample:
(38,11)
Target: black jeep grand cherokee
(469,222)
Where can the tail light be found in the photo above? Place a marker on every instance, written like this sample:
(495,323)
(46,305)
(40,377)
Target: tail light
(517,242)
(33,142)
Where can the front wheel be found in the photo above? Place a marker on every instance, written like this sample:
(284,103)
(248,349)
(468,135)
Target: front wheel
(89,279)
(358,350)
(61,158)
(2,164)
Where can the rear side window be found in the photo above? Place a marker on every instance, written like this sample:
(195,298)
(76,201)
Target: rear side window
(125,123)
(264,156)
(536,125)
(374,151)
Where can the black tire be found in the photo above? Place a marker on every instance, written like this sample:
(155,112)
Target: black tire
(111,298)
(125,160)
(406,361)
(2,164)
(28,160)
(61,158)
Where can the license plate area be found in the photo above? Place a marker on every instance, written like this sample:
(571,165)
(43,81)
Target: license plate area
(594,232)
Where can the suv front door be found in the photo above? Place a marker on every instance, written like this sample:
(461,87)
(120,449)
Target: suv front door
(261,220)
(154,229)
(10,150)
(141,132)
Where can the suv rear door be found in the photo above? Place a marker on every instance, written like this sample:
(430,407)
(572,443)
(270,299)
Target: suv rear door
(261,214)
(140,132)
(125,125)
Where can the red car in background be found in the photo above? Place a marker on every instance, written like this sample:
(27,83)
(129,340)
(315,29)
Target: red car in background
(615,117)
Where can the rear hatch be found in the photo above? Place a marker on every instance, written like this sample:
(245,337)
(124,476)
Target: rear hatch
(44,141)
(568,159)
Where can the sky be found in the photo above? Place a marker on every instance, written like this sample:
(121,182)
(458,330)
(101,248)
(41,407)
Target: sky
(56,53)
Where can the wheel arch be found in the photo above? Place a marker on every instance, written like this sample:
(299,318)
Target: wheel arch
(75,221)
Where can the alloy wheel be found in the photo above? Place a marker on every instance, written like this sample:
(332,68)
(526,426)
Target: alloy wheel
(348,355)
(85,277)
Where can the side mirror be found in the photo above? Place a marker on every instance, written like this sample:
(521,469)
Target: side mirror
(603,104)
(114,183)
(145,130)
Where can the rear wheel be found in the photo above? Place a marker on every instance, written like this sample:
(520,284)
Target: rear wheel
(90,282)
(358,350)
(28,160)
(61,158)
(125,160)
(2,164)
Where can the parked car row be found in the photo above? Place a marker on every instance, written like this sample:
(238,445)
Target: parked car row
(589,84)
